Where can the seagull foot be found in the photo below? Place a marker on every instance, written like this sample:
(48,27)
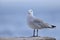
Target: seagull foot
(35,36)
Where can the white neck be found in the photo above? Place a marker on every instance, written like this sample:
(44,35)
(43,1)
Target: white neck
(30,14)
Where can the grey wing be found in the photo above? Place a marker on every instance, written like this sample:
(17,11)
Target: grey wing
(39,23)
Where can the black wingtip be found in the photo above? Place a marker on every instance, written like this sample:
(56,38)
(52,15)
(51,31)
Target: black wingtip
(53,26)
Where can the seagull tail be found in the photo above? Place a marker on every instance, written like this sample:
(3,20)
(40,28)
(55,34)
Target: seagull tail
(52,26)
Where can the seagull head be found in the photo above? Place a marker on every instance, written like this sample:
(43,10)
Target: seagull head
(30,12)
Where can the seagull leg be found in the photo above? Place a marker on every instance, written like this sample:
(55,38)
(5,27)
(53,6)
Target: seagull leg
(37,33)
(34,33)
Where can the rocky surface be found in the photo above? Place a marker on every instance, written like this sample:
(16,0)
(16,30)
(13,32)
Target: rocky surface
(29,38)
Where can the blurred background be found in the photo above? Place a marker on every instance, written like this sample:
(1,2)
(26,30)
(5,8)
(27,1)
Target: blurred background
(13,16)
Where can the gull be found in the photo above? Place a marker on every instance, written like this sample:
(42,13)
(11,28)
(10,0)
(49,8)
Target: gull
(36,23)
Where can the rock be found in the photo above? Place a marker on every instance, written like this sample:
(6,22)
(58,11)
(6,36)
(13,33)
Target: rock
(29,38)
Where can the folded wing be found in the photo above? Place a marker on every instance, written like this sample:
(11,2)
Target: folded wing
(40,24)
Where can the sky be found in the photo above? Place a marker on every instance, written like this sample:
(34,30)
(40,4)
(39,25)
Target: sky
(13,15)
